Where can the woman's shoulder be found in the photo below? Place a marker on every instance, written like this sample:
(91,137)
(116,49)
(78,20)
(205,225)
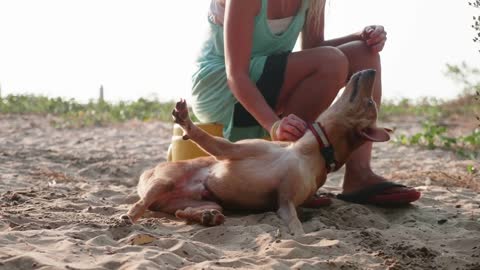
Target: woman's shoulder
(216,11)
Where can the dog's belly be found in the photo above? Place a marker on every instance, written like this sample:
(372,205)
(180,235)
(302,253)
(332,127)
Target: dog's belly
(168,182)
(250,183)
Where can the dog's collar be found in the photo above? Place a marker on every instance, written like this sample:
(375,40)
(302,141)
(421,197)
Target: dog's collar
(326,148)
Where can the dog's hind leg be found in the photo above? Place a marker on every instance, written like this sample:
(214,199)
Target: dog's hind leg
(207,216)
(207,213)
(215,146)
(136,211)
(155,194)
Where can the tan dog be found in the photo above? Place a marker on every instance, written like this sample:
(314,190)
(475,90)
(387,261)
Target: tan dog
(258,174)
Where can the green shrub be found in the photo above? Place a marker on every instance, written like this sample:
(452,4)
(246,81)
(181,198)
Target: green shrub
(435,136)
(74,114)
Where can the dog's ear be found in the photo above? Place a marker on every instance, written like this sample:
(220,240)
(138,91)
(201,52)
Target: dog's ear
(375,134)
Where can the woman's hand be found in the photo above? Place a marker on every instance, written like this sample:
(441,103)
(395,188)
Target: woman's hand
(289,128)
(375,37)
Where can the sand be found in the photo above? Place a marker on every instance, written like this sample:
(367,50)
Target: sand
(62,191)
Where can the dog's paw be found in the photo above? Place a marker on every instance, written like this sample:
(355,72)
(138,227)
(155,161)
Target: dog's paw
(296,228)
(212,218)
(180,113)
(125,220)
(297,232)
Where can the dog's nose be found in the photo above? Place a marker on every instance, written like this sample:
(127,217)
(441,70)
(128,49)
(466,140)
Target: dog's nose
(370,72)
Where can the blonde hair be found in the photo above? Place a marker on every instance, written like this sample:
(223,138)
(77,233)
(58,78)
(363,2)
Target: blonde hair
(315,10)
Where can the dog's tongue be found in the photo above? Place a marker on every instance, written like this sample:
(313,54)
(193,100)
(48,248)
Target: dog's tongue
(375,134)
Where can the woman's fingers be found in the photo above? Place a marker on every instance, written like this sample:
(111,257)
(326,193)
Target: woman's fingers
(287,126)
(291,128)
(377,31)
(378,47)
(375,36)
(297,122)
(378,39)
(366,32)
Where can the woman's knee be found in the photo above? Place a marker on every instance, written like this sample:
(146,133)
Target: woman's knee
(360,56)
(333,64)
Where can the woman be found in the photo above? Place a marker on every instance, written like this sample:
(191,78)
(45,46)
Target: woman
(249,80)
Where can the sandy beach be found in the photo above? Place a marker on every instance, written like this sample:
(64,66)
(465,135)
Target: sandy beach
(62,191)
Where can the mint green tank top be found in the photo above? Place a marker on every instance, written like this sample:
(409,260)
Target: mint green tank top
(212,100)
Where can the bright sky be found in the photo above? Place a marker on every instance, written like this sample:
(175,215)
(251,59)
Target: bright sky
(146,48)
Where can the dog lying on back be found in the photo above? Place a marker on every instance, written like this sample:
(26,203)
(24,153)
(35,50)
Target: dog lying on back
(258,174)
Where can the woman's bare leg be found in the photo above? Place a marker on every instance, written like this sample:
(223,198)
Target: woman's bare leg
(358,172)
(312,80)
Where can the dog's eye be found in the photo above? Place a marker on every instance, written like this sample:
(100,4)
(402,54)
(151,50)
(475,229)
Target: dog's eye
(370,102)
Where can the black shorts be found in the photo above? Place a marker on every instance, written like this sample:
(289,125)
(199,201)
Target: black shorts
(269,84)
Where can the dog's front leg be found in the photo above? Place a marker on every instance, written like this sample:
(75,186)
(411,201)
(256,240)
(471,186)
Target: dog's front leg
(286,208)
(288,214)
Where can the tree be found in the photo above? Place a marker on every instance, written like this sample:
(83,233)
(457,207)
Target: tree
(476,26)
(476,21)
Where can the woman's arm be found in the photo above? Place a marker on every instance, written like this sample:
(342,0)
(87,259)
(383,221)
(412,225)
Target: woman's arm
(314,36)
(238,33)
(374,35)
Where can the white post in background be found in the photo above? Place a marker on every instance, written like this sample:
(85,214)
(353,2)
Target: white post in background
(100,99)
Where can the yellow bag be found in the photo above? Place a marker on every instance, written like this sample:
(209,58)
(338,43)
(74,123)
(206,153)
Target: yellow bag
(181,149)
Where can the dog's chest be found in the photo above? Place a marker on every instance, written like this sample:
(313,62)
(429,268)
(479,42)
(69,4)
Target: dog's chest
(304,187)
